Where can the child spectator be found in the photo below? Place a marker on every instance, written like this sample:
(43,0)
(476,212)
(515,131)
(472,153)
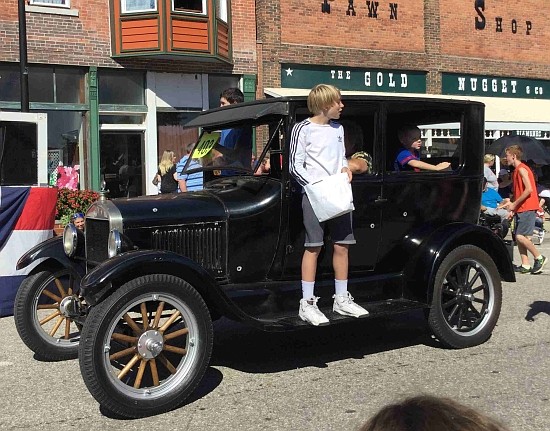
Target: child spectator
(78,220)
(408,158)
(236,143)
(524,206)
(316,151)
(429,413)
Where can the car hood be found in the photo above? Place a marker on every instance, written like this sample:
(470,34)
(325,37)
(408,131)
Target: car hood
(232,197)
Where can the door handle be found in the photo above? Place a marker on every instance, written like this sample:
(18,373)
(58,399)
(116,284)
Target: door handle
(380,200)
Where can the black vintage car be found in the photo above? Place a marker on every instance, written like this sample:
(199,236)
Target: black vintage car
(136,294)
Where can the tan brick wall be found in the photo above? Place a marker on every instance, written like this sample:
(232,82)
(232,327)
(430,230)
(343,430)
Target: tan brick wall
(58,39)
(304,23)
(434,36)
(243,16)
(459,36)
(86,40)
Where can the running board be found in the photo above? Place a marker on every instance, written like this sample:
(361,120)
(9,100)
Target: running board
(291,320)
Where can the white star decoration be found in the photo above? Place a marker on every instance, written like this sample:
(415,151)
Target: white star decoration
(289,72)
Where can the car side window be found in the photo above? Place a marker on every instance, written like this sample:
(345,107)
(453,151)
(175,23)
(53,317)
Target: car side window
(358,140)
(438,130)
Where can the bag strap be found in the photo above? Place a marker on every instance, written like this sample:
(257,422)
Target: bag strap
(320,164)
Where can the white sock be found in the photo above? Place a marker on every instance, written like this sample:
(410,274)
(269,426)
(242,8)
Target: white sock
(340,287)
(307,289)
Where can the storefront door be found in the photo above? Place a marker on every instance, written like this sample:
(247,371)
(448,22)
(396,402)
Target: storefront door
(121,161)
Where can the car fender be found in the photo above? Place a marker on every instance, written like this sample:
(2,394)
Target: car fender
(113,273)
(52,248)
(427,257)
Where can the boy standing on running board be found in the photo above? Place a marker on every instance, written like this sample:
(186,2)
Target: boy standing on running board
(316,151)
(524,206)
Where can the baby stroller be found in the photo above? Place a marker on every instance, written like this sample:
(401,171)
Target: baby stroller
(545,195)
(494,222)
(538,232)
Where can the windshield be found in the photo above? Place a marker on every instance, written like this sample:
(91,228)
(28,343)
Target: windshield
(234,151)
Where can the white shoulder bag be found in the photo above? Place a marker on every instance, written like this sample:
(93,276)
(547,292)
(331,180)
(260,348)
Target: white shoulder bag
(331,196)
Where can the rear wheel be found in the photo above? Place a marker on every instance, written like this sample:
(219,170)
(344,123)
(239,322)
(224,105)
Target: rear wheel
(146,347)
(467,298)
(45,307)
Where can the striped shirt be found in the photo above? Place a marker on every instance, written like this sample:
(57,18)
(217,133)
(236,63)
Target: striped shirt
(193,181)
(316,151)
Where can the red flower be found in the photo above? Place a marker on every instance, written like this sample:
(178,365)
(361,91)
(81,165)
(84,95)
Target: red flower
(73,201)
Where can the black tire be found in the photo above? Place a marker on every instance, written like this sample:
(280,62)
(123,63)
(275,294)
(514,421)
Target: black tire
(156,376)
(41,314)
(467,297)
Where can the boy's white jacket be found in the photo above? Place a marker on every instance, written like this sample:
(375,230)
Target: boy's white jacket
(316,151)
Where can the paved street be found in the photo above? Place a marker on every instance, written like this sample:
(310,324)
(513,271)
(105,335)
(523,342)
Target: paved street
(329,378)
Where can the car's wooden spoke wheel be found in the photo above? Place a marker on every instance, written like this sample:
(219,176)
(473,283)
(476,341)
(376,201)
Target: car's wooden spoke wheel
(45,309)
(146,346)
(158,343)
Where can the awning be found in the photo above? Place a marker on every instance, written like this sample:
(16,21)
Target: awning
(497,109)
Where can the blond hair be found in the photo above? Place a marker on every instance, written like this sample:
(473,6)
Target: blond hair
(166,162)
(321,97)
(515,150)
(488,158)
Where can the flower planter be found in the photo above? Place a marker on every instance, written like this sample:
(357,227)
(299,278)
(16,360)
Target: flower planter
(58,228)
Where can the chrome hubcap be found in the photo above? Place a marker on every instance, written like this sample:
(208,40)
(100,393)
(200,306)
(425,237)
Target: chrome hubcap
(150,344)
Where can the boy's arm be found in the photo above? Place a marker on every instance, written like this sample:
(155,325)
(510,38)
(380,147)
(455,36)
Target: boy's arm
(298,155)
(428,167)
(345,163)
(504,203)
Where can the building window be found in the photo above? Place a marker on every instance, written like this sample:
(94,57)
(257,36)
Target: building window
(221,10)
(121,87)
(65,131)
(18,161)
(47,84)
(10,91)
(56,84)
(130,6)
(54,3)
(192,6)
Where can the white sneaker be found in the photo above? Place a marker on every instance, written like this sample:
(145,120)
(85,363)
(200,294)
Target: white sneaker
(309,312)
(344,305)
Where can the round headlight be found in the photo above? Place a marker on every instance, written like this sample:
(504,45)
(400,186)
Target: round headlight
(114,244)
(70,239)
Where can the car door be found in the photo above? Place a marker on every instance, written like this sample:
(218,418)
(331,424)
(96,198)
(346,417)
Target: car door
(358,121)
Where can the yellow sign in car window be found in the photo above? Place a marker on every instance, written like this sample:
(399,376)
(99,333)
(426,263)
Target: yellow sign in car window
(205,144)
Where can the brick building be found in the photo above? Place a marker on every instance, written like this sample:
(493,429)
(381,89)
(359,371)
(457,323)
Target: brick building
(117,78)
(488,50)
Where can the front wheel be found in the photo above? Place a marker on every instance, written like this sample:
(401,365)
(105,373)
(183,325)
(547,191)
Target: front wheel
(145,348)
(467,296)
(45,309)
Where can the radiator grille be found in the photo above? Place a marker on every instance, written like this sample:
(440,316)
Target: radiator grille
(97,236)
(202,243)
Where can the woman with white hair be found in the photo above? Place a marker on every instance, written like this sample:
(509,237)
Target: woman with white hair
(490,176)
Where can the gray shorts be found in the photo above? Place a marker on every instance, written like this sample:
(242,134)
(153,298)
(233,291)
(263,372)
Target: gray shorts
(340,228)
(525,223)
